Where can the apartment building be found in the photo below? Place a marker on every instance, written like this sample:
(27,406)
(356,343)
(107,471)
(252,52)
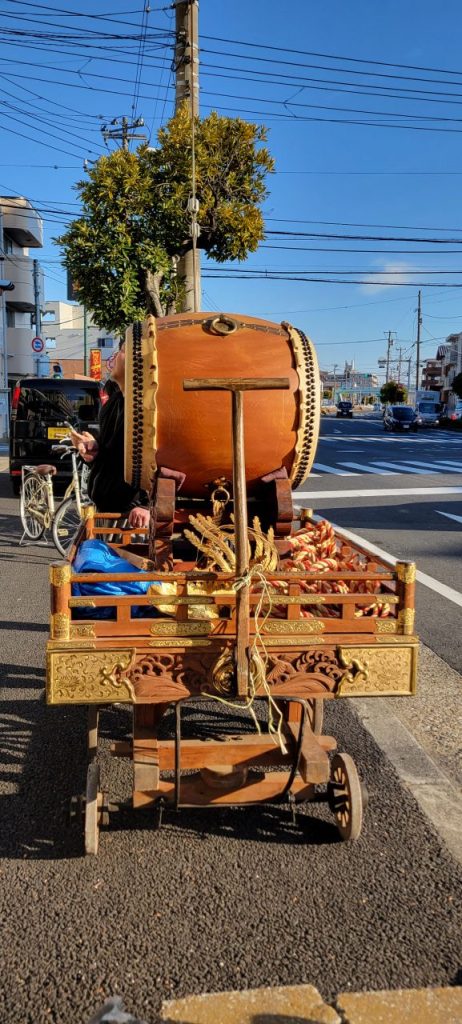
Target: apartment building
(451,357)
(69,334)
(21,229)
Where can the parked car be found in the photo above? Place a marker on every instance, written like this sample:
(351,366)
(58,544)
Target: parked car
(345,409)
(455,413)
(400,417)
(41,407)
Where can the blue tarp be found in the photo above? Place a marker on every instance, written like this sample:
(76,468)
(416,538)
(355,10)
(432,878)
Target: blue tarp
(95,556)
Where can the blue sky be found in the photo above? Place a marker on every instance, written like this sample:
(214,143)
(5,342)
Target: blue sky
(302,70)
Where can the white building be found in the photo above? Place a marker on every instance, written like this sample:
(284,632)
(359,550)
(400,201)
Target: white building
(22,229)
(451,357)
(67,336)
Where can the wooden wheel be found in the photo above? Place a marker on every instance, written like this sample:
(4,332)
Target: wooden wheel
(96,813)
(345,796)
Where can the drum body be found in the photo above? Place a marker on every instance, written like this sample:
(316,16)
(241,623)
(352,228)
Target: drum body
(190,432)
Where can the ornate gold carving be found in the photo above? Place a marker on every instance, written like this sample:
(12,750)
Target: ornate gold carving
(60,574)
(406,572)
(89,677)
(88,512)
(178,628)
(81,602)
(385,625)
(70,645)
(178,642)
(379,672)
(387,639)
(293,626)
(356,671)
(406,619)
(60,626)
(294,641)
(85,630)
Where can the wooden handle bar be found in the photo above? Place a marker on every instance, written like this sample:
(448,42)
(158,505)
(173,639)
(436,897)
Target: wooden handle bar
(236,384)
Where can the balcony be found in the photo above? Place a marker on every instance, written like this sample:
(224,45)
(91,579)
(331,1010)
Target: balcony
(20,270)
(21,221)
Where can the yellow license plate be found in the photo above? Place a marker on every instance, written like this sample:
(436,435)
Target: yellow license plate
(56,433)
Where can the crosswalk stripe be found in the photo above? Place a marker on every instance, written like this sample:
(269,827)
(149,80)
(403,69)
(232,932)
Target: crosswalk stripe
(366,469)
(441,467)
(447,462)
(402,467)
(331,469)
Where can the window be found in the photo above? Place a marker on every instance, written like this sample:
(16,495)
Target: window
(9,317)
(105,342)
(7,244)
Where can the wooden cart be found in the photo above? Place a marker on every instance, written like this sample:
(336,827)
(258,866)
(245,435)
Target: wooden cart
(316,645)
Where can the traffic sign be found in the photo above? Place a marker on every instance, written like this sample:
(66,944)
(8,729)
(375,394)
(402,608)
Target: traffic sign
(37,344)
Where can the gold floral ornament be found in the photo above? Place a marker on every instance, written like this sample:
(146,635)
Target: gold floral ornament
(218,544)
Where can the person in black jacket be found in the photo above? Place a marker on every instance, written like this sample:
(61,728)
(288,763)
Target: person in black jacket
(106,485)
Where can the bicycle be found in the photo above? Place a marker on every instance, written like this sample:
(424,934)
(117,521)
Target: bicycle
(37,501)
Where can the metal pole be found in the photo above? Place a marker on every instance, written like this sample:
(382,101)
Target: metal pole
(38,312)
(390,343)
(419,323)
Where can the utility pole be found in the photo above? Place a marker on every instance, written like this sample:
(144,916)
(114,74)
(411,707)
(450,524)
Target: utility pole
(389,345)
(399,365)
(123,132)
(419,324)
(187,90)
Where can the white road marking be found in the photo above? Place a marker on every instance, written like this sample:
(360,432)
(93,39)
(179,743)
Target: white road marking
(441,467)
(387,492)
(450,462)
(458,519)
(401,467)
(367,469)
(330,469)
(428,581)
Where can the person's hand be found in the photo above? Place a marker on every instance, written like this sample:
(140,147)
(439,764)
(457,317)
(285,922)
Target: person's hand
(86,445)
(139,518)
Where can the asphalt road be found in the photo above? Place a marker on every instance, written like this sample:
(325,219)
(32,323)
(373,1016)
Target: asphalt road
(361,465)
(214,900)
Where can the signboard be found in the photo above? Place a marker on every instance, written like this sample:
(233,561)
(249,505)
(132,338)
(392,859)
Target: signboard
(37,344)
(95,363)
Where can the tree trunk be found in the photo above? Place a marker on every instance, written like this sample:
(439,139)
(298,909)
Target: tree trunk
(152,283)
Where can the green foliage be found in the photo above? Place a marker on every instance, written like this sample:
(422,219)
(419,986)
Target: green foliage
(135,217)
(393,392)
(457,385)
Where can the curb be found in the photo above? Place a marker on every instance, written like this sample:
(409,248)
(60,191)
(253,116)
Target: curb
(295,1004)
(430,787)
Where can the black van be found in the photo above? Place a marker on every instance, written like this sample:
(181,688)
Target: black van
(39,410)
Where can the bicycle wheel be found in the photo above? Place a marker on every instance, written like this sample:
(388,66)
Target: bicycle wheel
(65,525)
(33,506)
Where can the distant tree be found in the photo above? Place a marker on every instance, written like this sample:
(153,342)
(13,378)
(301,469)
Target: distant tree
(457,385)
(135,220)
(393,392)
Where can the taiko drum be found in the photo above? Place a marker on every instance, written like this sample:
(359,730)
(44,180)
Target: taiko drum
(190,432)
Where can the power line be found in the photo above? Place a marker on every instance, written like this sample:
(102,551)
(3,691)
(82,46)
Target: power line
(330,56)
